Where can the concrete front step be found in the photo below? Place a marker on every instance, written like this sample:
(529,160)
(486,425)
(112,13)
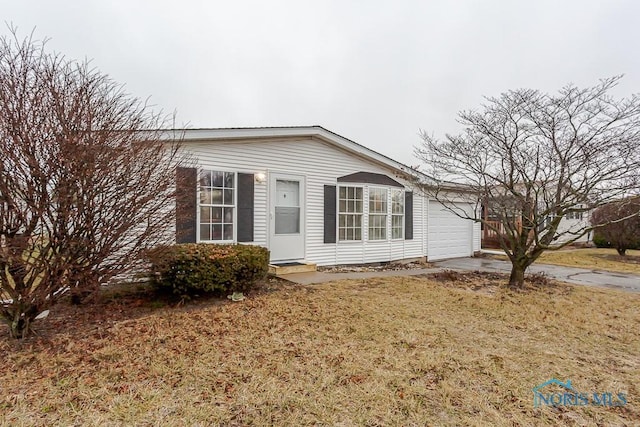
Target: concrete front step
(290,268)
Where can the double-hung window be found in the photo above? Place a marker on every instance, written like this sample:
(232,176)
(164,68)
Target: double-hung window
(217,203)
(397,214)
(377,213)
(350,213)
(573,215)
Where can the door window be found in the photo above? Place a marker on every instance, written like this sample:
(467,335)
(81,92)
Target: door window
(287,209)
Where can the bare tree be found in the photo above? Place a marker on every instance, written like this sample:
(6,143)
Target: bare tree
(530,159)
(619,223)
(85,187)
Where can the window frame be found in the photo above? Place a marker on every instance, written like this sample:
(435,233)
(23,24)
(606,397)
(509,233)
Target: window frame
(234,218)
(340,213)
(384,214)
(402,215)
(575,215)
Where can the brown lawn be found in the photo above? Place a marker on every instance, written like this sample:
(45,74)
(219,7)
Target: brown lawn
(592,258)
(400,351)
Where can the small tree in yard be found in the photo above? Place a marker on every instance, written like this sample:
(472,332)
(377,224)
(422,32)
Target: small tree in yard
(531,158)
(619,223)
(84,187)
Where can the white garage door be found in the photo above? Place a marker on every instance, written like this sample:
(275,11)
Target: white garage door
(449,235)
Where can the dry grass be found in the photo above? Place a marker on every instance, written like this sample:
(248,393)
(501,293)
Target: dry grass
(399,351)
(597,259)
(590,258)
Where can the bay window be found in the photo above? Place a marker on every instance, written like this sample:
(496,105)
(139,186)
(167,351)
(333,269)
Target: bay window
(377,214)
(397,214)
(383,207)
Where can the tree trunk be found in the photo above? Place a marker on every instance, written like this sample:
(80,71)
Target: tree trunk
(19,328)
(622,251)
(20,322)
(516,280)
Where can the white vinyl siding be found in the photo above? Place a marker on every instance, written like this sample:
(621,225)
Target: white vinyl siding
(477,237)
(321,163)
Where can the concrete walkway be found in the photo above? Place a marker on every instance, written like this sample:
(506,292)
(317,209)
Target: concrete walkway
(578,276)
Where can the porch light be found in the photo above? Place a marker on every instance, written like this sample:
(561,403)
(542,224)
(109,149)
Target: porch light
(260,177)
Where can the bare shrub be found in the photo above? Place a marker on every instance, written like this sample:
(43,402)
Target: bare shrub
(85,186)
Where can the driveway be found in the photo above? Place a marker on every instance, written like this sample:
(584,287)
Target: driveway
(578,276)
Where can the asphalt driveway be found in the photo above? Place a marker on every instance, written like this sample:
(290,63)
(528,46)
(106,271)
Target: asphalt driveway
(578,276)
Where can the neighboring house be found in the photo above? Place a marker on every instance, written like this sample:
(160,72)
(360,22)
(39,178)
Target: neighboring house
(310,195)
(575,221)
(572,222)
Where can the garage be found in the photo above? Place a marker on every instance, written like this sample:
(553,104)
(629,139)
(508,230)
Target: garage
(449,236)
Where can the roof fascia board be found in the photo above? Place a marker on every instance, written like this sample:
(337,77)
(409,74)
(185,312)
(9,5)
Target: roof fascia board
(246,133)
(318,132)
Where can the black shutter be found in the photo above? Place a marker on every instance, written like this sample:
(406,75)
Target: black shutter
(329,213)
(408,215)
(245,207)
(186,204)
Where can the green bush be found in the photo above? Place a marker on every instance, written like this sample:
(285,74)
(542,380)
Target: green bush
(600,241)
(200,267)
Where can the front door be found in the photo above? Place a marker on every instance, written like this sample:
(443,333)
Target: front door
(286,217)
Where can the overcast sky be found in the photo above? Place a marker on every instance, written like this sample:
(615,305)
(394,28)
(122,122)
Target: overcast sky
(375,72)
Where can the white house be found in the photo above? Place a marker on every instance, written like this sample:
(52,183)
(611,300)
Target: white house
(310,195)
(575,222)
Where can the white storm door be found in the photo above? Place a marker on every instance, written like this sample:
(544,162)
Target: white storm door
(286,217)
